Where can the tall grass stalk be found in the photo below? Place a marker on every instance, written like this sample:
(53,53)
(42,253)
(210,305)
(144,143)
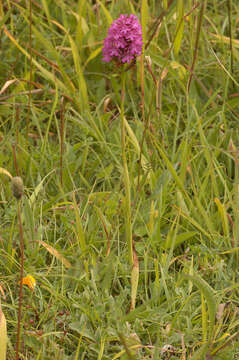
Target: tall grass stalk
(30,73)
(19,314)
(17,190)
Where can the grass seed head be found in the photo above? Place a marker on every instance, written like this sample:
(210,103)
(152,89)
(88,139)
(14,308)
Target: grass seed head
(17,187)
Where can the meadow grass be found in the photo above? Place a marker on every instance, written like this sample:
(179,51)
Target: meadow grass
(60,130)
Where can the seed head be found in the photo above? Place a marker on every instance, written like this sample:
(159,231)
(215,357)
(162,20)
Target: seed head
(17,187)
(148,61)
(124,40)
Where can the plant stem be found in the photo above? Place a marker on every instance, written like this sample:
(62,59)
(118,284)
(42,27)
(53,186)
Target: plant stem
(21,276)
(127,204)
(30,75)
(62,140)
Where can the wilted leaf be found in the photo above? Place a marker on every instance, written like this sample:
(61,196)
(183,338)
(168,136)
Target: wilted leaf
(54,252)
(220,311)
(5,172)
(134,280)
(6,85)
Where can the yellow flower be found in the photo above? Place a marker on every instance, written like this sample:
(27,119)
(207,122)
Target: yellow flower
(29,281)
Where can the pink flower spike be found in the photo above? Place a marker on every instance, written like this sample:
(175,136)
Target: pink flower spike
(124,40)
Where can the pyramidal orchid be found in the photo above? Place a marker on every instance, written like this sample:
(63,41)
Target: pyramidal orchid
(124,40)
(122,45)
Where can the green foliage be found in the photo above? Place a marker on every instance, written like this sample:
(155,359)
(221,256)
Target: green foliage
(182,159)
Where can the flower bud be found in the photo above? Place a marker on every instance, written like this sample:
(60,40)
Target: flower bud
(17,187)
(148,60)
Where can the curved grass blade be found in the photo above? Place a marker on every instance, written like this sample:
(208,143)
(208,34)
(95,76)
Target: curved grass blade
(209,295)
(106,12)
(55,253)
(45,73)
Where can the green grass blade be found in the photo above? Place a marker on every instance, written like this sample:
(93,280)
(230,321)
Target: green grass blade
(179,26)
(209,295)
(144,18)
(81,80)
(5,17)
(45,73)
(106,12)
(79,228)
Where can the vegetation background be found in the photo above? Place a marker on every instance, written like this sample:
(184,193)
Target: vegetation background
(60,131)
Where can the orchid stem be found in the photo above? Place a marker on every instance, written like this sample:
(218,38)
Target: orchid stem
(127,202)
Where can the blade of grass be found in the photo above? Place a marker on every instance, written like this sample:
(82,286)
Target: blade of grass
(79,231)
(45,73)
(106,12)
(209,295)
(199,26)
(179,26)
(144,19)
(82,87)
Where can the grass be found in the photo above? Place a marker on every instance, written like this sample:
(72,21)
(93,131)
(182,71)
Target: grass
(60,109)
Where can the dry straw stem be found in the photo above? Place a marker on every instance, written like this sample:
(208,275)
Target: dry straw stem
(3,335)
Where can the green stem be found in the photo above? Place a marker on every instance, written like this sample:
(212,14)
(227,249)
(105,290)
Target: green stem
(127,203)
